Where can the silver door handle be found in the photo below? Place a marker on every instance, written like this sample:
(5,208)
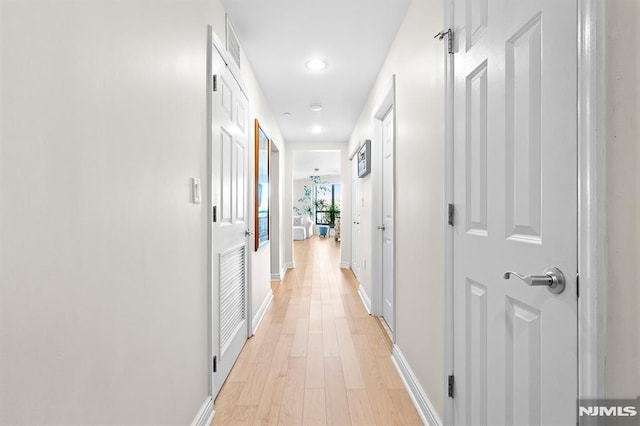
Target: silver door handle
(248,233)
(382,227)
(553,279)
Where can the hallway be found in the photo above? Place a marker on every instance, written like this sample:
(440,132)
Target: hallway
(317,357)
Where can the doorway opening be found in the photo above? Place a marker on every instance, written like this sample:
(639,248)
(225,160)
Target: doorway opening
(317,195)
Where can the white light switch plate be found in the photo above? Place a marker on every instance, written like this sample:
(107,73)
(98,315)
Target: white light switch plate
(195,191)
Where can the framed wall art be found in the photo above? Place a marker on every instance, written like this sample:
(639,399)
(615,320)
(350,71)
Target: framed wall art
(262,168)
(364,159)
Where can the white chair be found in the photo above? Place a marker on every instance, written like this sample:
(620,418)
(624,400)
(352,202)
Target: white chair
(302,228)
(308,226)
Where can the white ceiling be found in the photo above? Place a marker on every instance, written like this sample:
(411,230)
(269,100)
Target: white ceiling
(305,163)
(280,36)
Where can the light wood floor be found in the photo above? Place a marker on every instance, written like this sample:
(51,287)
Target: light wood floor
(318,357)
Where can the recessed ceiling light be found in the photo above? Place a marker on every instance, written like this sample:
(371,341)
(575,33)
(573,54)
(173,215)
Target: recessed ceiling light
(316,64)
(316,129)
(287,113)
(316,107)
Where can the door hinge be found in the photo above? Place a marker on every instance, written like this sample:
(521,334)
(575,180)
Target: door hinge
(215,364)
(578,286)
(449,34)
(450,213)
(450,387)
(215,82)
(215,214)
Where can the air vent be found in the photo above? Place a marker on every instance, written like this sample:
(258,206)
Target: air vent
(232,294)
(233,44)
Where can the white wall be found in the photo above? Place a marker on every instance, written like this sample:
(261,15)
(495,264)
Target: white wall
(275,207)
(417,61)
(259,108)
(623,199)
(103,259)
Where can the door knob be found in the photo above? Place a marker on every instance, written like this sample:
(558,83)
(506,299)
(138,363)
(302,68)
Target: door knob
(248,233)
(382,227)
(553,279)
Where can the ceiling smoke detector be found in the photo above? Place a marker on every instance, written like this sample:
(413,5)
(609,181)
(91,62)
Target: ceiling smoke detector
(316,107)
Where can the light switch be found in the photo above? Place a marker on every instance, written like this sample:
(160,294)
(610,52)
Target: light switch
(196,191)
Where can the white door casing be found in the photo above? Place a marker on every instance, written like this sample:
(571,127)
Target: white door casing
(388,231)
(229,216)
(355,218)
(515,198)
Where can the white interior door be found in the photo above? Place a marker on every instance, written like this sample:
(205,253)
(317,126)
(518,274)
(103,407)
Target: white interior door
(229,172)
(355,218)
(515,197)
(388,136)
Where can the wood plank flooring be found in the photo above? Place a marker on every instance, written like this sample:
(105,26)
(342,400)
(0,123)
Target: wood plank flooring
(318,358)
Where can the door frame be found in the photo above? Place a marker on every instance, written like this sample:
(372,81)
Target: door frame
(591,56)
(387,102)
(355,199)
(215,44)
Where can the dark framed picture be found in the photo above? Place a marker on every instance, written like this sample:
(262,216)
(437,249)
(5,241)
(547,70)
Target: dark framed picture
(262,169)
(364,159)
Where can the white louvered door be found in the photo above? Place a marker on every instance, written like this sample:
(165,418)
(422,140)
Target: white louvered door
(229,173)
(515,197)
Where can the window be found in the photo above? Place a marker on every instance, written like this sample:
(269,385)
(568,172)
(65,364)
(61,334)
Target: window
(326,196)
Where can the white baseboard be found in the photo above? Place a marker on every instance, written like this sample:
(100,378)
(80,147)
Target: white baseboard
(257,319)
(365,299)
(280,276)
(205,414)
(425,409)
(345,265)
(290,265)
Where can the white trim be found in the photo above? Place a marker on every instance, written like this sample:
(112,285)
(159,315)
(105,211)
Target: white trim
(448,232)
(280,276)
(345,265)
(592,260)
(261,311)
(425,408)
(365,299)
(290,265)
(205,414)
(208,198)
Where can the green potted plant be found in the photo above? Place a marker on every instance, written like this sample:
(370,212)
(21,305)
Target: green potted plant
(333,212)
(307,203)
